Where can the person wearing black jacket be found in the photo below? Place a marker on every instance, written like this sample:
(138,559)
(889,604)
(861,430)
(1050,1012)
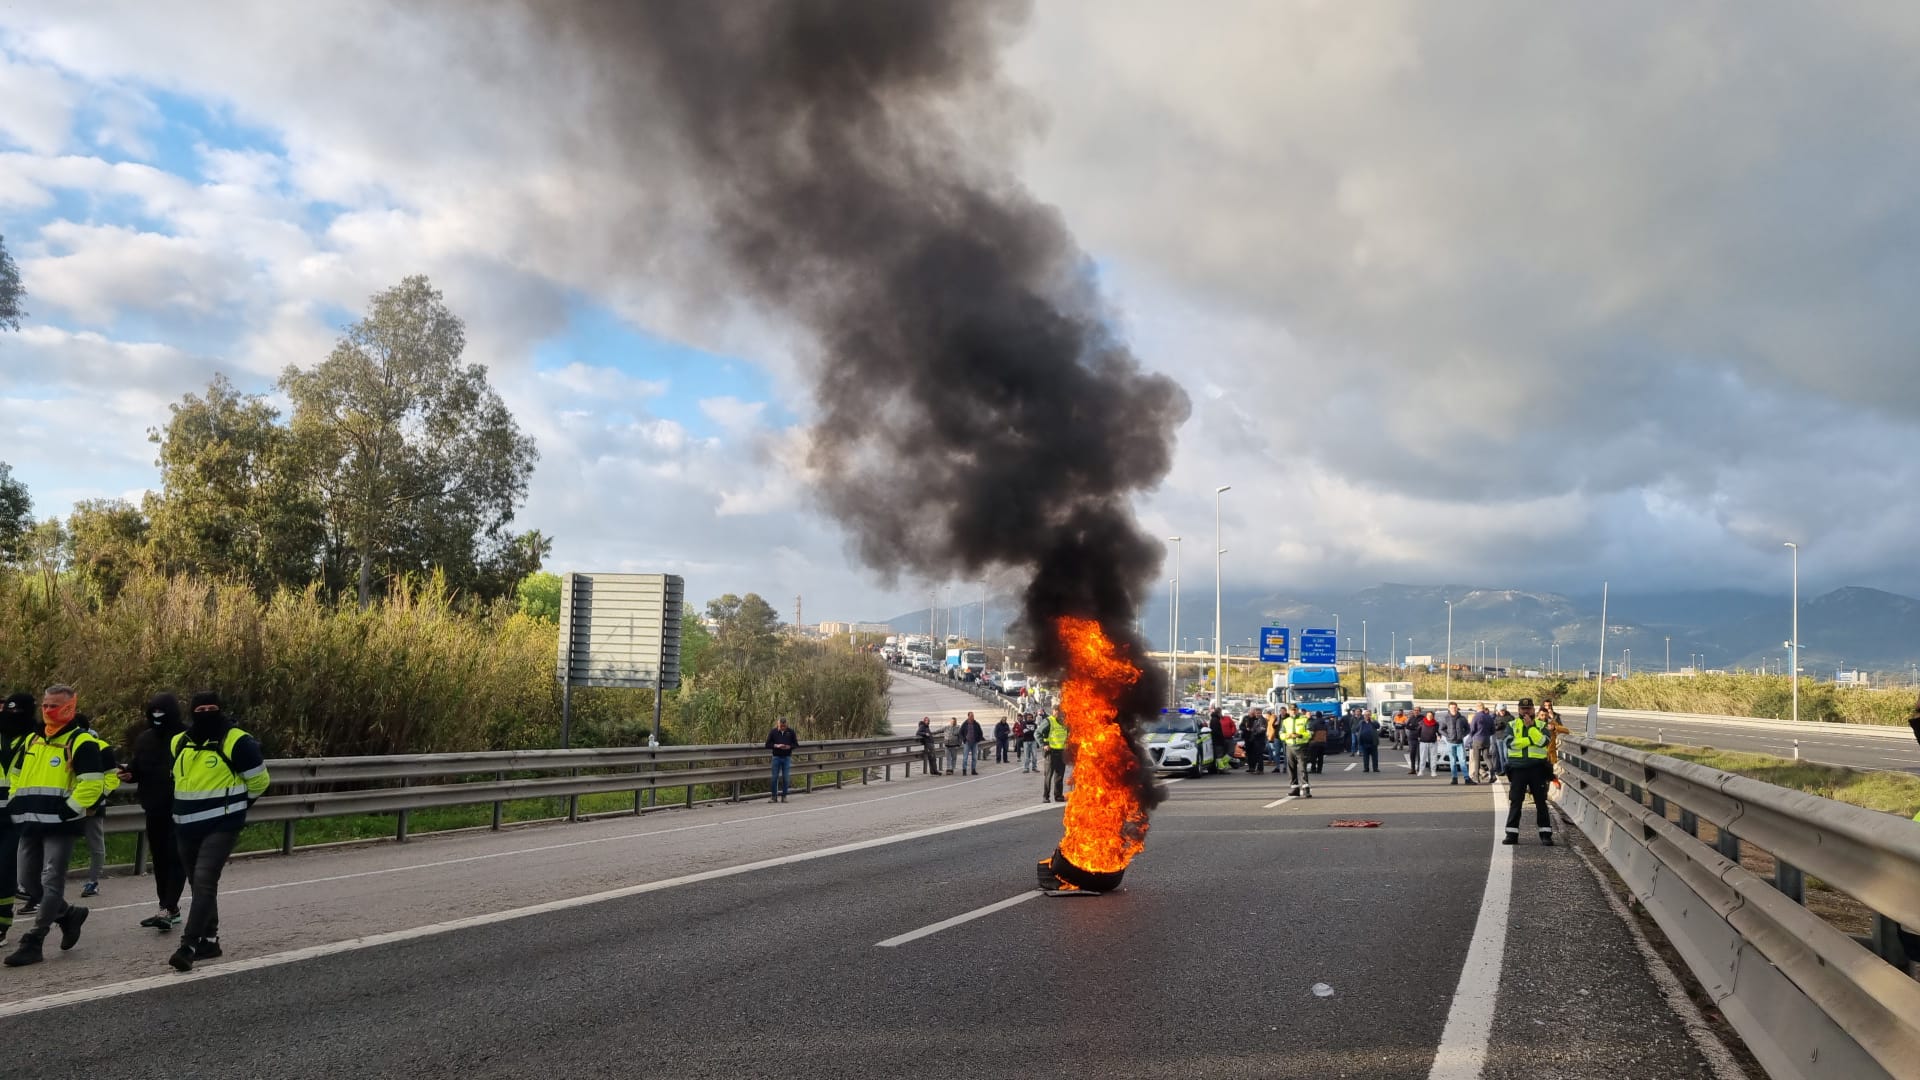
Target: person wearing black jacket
(152,769)
(1002,732)
(928,756)
(782,740)
(17,721)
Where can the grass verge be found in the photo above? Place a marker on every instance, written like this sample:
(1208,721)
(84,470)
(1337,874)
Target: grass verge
(1889,792)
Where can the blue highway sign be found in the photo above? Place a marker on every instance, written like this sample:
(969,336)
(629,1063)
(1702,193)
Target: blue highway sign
(1318,647)
(1273,645)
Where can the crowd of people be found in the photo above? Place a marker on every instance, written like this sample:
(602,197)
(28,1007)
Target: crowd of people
(195,775)
(1477,749)
(1038,740)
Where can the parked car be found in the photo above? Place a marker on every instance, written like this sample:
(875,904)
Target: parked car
(1179,742)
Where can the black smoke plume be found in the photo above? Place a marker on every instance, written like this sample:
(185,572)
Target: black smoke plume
(978,412)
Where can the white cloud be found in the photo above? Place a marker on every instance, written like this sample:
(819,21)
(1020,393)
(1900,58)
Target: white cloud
(1458,292)
(39,105)
(94,272)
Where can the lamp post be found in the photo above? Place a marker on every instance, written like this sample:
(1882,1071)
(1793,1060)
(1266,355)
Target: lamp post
(1793,646)
(1175,631)
(1669,654)
(1218,674)
(1449,650)
(1173,647)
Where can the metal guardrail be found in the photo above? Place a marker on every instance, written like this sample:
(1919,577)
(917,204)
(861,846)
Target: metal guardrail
(306,788)
(1809,1000)
(1573,715)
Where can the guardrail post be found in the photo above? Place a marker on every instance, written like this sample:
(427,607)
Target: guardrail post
(499,777)
(1689,823)
(139,853)
(573,804)
(1886,943)
(1659,806)
(286,836)
(809,782)
(1727,845)
(689,795)
(839,775)
(400,829)
(736,791)
(1789,880)
(1633,790)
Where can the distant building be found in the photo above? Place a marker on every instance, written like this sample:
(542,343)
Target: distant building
(842,629)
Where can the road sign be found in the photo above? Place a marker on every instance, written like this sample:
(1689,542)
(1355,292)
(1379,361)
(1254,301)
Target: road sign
(1318,647)
(1273,644)
(619,630)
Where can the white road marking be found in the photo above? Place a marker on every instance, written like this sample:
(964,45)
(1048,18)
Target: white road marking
(1351,767)
(934,928)
(1280,801)
(1463,1042)
(1719,1058)
(234,967)
(753,820)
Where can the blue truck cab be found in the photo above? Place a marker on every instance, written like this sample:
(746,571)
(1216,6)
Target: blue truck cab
(1315,688)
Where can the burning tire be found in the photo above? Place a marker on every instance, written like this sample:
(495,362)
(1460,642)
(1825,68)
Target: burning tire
(1057,873)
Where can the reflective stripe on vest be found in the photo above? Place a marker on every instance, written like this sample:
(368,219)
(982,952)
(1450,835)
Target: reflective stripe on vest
(1527,742)
(204,787)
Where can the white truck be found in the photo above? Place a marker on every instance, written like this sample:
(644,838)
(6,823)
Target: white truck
(1386,698)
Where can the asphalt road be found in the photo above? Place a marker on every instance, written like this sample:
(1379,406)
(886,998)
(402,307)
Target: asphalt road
(1204,964)
(1818,742)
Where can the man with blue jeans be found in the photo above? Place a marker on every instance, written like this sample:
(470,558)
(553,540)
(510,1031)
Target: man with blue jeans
(971,736)
(781,741)
(1454,731)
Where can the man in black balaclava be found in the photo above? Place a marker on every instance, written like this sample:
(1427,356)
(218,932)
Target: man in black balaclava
(152,769)
(218,772)
(18,718)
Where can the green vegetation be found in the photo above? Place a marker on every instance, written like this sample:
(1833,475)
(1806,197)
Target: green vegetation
(1890,792)
(415,672)
(11,291)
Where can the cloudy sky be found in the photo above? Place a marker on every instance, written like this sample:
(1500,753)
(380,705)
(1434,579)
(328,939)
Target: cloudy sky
(1487,293)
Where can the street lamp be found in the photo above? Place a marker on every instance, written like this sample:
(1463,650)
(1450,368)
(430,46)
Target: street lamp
(1173,645)
(1449,650)
(1794,645)
(1175,631)
(1218,552)
(1669,654)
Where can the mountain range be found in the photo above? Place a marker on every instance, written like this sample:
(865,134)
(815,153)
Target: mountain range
(1848,628)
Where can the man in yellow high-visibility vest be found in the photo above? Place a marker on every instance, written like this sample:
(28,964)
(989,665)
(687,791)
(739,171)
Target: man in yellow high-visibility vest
(1054,781)
(1528,771)
(1296,735)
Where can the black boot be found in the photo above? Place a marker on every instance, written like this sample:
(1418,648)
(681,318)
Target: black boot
(70,922)
(29,950)
(182,958)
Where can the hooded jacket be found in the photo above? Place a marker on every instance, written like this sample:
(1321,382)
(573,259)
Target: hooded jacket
(245,766)
(151,766)
(17,721)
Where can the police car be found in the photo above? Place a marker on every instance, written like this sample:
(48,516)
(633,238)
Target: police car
(1178,741)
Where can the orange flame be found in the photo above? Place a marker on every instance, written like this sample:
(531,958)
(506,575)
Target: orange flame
(1106,822)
